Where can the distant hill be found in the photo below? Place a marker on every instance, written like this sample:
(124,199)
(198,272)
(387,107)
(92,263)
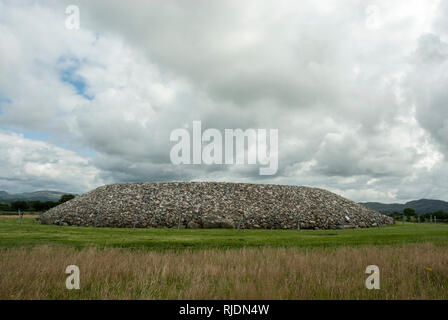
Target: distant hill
(31,196)
(420,206)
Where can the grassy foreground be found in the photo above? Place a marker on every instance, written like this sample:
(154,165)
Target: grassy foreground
(408,272)
(222,264)
(30,234)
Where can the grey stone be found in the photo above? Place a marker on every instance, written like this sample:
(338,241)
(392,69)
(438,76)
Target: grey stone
(216,221)
(193,225)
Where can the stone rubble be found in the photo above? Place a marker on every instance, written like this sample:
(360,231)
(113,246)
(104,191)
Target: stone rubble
(213,205)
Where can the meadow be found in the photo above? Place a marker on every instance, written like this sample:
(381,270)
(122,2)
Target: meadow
(222,264)
(30,234)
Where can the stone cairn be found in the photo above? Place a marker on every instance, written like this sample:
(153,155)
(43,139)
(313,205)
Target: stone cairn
(213,205)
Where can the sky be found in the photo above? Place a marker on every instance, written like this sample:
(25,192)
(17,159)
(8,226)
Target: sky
(358,91)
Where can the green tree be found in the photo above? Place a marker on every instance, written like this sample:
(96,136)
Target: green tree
(5,207)
(441,215)
(37,205)
(22,205)
(66,197)
(49,204)
(409,213)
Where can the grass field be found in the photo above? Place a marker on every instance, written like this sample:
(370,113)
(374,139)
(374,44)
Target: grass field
(409,272)
(222,264)
(31,234)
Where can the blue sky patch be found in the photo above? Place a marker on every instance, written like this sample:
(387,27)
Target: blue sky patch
(68,74)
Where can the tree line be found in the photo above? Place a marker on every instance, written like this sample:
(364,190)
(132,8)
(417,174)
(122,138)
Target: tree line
(34,205)
(411,216)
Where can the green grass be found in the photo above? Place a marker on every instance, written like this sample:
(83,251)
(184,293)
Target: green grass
(30,234)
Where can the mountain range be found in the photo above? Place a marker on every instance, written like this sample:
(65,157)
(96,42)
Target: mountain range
(420,206)
(43,196)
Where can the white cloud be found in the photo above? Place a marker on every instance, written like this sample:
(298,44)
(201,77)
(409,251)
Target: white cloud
(357,94)
(28,164)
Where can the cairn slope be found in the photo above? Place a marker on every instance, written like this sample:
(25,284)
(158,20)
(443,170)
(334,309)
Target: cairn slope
(213,205)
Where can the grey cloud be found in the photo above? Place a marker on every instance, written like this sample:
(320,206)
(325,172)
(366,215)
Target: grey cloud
(359,111)
(429,83)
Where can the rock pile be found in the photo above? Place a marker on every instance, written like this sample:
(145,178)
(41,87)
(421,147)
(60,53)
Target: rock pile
(212,205)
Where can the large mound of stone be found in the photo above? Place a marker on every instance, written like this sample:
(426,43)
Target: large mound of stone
(213,205)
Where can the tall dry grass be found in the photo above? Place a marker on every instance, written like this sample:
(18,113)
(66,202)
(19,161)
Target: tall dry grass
(408,272)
